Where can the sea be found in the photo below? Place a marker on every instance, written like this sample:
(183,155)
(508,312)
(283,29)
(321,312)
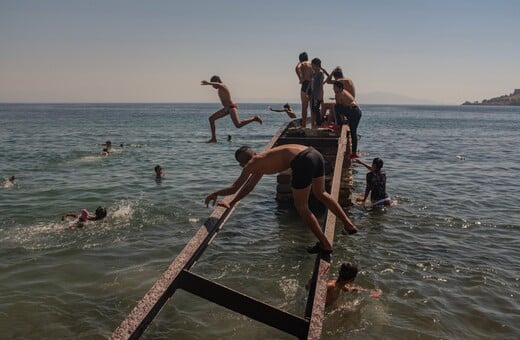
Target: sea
(445,257)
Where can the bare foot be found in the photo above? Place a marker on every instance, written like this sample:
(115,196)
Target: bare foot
(258,119)
(212,140)
(346,231)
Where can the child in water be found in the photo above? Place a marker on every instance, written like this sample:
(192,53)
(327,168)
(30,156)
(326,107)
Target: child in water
(9,182)
(158,171)
(346,275)
(376,183)
(81,219)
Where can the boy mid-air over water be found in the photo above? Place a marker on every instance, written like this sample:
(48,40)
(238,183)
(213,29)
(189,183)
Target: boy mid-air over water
(229,108)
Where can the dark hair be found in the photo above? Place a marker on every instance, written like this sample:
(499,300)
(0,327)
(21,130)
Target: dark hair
(378,162)
(348,271)
(215,79)
(157,167)
(287,106)
(339,84)
(337,73)
(244,154)
(316,61)
(303,56)
(101,212)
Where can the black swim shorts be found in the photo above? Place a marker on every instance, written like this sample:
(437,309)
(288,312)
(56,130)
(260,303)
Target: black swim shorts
(306,87)
(307,165)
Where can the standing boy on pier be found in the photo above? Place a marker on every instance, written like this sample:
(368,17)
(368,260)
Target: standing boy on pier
(307,166)
(316,92)
(229,108)
(346,107)
(304,72)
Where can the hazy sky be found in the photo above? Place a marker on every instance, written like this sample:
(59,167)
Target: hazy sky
(159,51)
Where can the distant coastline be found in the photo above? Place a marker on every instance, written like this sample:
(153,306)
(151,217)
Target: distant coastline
(512,99)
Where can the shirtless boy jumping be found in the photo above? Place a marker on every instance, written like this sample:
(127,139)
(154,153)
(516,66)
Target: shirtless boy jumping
(307,166)
(229,108)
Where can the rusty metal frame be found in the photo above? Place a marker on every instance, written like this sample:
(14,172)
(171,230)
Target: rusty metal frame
(178,276)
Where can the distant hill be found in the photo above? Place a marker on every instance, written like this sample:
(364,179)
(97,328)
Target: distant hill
(512,99)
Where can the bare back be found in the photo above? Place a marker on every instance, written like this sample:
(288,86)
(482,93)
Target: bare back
(274,160)
(304,70)
(345,98)
(348,85)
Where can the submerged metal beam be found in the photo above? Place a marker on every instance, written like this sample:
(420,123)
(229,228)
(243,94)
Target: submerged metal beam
(150,305)
(318,290)
(244,304)
(178,275)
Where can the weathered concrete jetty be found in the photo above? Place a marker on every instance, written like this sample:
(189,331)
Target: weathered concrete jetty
(335,146)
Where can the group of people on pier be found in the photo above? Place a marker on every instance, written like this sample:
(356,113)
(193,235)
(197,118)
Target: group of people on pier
(306,163)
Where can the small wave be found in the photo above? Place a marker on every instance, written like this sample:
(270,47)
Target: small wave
(124,211)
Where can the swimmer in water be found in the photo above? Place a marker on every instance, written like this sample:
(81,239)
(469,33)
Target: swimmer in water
(159,173)
(9,182)
(346,275)
(84,216)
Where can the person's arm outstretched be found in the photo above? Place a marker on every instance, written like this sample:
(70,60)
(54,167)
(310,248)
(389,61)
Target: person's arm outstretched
(359,161)
(246,172)
(275,110)
(205,82)
(69,215)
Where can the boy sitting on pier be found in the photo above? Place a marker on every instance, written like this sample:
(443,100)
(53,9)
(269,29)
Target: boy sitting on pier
(308,171)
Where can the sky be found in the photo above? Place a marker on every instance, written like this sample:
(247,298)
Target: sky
(438,51)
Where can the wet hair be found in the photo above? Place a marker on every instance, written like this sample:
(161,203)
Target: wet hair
(215,79)
(316,61)
(337,73)
(101,212)
(378,163)
(108,142)
(339,84)
(157,168)
(303,56)
(348,271)
(12,178)
(105,150)
(244,154)
(287,106)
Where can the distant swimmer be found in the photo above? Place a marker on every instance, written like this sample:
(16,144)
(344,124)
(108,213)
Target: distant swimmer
(107,144)
(229,108)
(9,182)
(229,138)
(106,152)
(346,275)
(376,183)
(287,109)
(82,218)
(308,171)
(159,173)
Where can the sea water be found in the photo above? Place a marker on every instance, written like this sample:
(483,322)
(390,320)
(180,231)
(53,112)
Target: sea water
(445,257)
